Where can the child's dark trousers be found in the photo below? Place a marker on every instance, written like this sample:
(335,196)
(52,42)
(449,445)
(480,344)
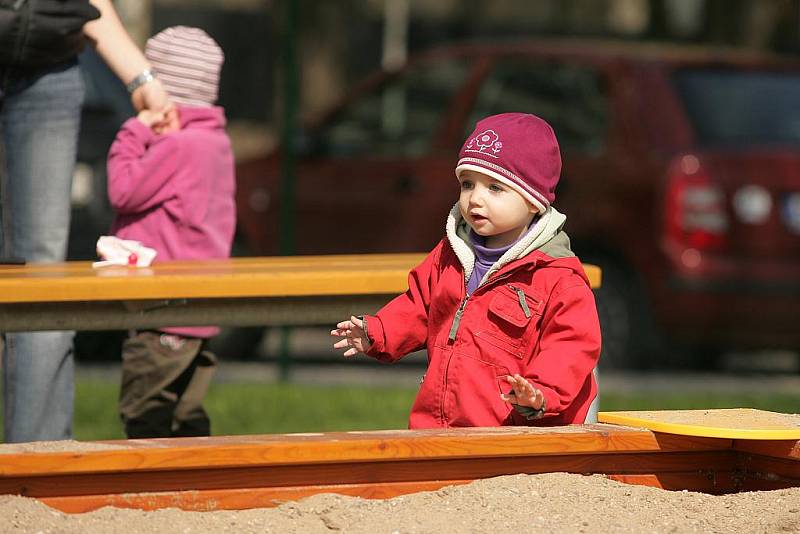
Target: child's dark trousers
(164,380)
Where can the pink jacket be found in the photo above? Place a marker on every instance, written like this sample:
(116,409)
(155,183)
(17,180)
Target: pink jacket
(536,316)
(175,192)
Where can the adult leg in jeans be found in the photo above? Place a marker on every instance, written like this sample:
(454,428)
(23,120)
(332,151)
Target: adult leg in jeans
(40,123)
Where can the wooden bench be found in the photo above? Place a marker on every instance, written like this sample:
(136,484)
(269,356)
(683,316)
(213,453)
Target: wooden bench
(268,291)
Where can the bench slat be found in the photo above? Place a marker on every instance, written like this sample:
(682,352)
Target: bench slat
(290,276)
(254,291)
(228,278)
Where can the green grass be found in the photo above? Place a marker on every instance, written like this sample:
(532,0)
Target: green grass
(251,408)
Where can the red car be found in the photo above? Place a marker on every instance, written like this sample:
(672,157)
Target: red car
(681,179)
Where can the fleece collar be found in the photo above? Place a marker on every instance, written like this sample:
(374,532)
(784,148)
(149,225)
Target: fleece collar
(547,227)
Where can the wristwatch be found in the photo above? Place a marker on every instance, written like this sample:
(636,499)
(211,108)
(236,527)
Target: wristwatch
(142,78)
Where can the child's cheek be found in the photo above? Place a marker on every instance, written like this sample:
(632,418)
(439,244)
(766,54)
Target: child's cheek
(462,209)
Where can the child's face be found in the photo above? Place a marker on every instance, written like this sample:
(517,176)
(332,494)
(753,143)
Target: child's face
(493,209)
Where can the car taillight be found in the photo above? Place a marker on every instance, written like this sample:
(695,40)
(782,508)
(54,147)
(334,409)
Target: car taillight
(695,214)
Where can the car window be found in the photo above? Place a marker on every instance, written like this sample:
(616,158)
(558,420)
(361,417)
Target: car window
(399,118)
(728,107)
(572,98)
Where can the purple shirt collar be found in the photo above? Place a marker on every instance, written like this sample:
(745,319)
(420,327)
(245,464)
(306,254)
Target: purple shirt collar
(485,257)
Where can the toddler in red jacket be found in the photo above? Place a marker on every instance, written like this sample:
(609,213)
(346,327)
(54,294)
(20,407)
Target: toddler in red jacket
(501,304)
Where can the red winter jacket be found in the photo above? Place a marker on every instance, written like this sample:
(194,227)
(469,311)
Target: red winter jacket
(555,344)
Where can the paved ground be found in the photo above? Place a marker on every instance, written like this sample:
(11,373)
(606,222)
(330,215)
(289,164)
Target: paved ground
(320,364)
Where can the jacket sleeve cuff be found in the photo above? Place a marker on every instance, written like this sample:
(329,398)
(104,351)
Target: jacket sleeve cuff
(551,400)
(375,333)
(531,413)
(141,132)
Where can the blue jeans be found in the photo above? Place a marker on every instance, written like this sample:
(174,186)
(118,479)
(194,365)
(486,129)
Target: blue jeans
(40,120)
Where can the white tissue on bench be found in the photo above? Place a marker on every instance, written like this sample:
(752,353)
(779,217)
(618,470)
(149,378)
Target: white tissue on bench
(115,251)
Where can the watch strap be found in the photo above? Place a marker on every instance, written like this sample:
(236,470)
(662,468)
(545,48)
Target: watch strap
(142,78)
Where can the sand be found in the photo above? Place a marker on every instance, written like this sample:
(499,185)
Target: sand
(553,502)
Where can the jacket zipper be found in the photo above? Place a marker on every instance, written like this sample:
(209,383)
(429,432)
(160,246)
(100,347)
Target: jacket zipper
(523,303)
(460,311)
(445,382)
(457,319)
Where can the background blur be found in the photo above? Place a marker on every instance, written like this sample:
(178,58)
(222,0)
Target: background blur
(324,50)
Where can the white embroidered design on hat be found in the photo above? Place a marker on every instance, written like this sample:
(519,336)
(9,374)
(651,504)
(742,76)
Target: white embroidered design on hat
(487,142)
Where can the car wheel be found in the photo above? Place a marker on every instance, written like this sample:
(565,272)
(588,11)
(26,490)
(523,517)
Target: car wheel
(628,333)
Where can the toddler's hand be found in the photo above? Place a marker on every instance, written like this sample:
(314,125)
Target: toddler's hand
(160,122)
(356,339)
(169,123)
(150,118)
(523,393)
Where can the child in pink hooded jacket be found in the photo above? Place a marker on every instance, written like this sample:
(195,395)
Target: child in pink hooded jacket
(171,181)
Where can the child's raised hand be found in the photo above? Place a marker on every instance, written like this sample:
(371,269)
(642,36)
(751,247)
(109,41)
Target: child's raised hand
(170,121)
(150,118)
(523,393)
(355,337)
(161,122)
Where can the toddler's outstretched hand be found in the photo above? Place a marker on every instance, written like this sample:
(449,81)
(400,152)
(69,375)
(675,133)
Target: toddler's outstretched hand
(523,393)
(355,337)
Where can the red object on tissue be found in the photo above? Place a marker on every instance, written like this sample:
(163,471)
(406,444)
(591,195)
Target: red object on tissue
(132,258)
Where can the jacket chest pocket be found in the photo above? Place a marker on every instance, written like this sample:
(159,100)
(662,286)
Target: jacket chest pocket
(512,320)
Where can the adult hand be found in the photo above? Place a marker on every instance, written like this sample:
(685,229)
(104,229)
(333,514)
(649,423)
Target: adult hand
(523,393)
(150,96)
(123,56)
(355,337)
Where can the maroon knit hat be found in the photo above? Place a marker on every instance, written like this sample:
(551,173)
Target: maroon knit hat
(188,62)
(518,149)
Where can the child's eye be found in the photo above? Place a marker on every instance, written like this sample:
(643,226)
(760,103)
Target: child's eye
(495,187)
(466,184)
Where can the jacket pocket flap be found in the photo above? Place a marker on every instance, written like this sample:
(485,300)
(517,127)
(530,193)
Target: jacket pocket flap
(506,306)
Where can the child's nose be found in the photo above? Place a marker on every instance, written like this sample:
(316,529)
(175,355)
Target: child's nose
(476,197)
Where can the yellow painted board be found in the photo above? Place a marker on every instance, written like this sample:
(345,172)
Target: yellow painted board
(293,276)
(594,274)
(730,423)
(256,277)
